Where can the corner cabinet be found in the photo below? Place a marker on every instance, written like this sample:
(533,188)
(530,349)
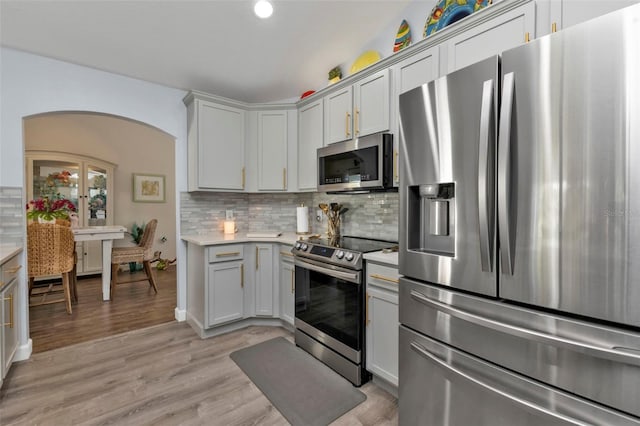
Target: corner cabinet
(382,325)
(310,138)
(264,282)
(8,313)
(215,148)
(358,110)
(87,183)
(272,151)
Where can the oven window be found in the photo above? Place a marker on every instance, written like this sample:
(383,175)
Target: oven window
(331,305)
(360,165)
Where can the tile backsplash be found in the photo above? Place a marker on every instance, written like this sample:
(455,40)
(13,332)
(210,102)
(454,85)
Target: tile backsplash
(11,215)
(372,215)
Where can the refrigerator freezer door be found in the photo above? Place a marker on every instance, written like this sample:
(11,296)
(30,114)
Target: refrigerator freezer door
(595,362)
(447,201)
(568,180)
(444,386)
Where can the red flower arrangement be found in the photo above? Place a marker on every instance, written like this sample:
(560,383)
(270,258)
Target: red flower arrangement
(50,208)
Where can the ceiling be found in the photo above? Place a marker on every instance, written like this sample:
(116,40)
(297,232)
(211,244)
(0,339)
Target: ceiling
(216,46)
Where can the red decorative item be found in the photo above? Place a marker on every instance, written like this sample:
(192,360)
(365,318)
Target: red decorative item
(307,93)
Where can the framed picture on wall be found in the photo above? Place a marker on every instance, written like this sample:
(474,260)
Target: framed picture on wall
(148,188)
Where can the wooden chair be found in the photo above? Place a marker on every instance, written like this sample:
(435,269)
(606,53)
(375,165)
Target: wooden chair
(51,251)
(143,252)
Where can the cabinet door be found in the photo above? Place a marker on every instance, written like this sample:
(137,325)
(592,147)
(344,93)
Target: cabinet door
(272,151)
(309,140)
(371,104)
(8,315)
(566,13)
(92,256)
(501,33)
(287,290)
(338,117)
(412,72)
(382,334)
(225,292)
(220,146)
(264,280)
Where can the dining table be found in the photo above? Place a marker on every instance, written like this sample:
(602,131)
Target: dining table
(106,234)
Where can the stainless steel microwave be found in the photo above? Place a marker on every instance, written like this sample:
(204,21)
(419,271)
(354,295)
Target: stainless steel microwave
(360,165)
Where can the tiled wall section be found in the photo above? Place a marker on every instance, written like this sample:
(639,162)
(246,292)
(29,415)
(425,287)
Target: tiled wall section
(370,215)
(11,212)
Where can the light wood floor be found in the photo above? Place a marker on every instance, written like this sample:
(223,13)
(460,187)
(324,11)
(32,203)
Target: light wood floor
(134,306)
(161,375)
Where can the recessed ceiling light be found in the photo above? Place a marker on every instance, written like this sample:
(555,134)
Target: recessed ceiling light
(263,9)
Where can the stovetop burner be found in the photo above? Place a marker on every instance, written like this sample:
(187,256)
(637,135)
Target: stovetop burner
(344,251)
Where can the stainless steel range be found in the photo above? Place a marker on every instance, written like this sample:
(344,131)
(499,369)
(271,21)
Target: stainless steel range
(330,301)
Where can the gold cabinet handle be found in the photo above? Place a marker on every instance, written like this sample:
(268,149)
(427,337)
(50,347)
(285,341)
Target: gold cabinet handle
(346,122)
(367,310)
(554,27)
(14,269)
(243,178)
(383,278)
(10,300)
(526,38)
(257,258)
(242,275)
(227,254)
(293,281)
(396,155)
(357,126)
(284,253)
(284,178)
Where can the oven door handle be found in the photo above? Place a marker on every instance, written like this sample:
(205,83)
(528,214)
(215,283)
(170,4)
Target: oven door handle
(353,277)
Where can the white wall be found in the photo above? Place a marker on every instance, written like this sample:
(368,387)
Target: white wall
(31,84)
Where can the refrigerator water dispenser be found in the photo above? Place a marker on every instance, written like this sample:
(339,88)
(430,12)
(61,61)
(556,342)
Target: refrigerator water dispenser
(431,208)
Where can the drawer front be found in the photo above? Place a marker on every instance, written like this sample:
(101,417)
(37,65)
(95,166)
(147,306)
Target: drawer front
(10,269)
(226,252)
(382,276)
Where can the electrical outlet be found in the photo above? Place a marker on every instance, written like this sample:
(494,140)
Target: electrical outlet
(229,214)
(319,215)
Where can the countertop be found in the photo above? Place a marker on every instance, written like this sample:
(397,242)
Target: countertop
(380,257)
(218,238)
(8,251)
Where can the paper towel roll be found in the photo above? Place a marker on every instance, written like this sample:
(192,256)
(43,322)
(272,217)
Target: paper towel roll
(302,214)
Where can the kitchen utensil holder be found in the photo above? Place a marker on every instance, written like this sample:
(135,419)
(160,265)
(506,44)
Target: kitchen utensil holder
(333,226)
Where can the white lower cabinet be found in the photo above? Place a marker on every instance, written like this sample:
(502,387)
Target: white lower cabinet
(8,313)
(225,292)
(287,285)
(382,323)
(264,280)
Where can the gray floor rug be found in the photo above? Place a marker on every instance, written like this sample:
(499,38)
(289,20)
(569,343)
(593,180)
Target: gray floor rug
(303,389)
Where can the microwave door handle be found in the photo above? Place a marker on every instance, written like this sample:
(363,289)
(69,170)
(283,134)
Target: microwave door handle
(485,176)
(504,171)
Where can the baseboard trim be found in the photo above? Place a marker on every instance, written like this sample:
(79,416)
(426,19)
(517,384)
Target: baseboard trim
(24,352)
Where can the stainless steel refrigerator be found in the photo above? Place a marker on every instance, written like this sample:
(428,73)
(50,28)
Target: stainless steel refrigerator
(520,235)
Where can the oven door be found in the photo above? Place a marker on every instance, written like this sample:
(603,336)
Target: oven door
(330,306)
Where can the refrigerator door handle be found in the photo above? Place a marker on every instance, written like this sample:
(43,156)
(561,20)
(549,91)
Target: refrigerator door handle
(520,401)
(485,176)
(504,189)
(624,355)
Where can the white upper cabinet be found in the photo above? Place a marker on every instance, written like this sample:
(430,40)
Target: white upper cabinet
(555,15)
(503,32)
(338,112)
(357,110)
(310,138)
(215,145)
(371,104)
(272,151)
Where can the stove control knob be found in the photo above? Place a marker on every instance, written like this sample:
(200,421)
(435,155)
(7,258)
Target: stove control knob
(298,245)
(340,254)
(304,247)
(349,257)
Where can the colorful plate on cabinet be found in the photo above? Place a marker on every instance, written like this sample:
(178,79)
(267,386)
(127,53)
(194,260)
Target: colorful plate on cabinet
(367,58)
(446,12)
(403,37)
